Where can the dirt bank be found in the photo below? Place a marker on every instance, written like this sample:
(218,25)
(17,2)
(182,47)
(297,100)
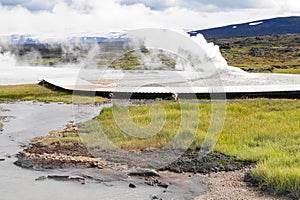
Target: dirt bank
(223,175)
(42,153)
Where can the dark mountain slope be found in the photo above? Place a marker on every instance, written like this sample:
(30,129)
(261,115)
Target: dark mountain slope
(281,25)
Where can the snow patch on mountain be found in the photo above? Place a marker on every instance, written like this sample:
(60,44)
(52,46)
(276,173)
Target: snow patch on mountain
(255,23)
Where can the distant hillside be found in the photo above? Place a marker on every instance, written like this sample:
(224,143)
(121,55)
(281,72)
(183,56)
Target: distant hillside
(281,25)
(270,53)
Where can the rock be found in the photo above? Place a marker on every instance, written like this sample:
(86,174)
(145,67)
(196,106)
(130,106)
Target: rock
(163,185)
(157,183)
(144,173)
(66,178)
(257,52)
(79,179)
(132,186)
(41,178)
(2,159)
(191,162)
(58,178)
(23,145)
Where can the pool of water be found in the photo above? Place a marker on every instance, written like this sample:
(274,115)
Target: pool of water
(25,120)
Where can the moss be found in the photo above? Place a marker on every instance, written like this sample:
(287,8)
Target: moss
(32,92)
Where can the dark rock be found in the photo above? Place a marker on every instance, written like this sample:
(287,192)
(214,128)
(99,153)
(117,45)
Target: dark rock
(163,185)
(58,178)
(259,70)
(67,178)
(191,162)
(144,174)
(257,52)
(225,46)
(149,183)
(157,183)
(132,185)
(78,179)
(41,178)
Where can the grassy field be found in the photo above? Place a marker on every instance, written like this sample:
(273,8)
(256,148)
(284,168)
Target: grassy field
(264,131)
(276,54)
(288,71)
(273,53)
(34,92)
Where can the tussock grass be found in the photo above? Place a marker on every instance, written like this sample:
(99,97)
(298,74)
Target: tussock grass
(276,53)
(288,71)
(70,139)
(30,92)
(261,130)
(47,61)
(1,126)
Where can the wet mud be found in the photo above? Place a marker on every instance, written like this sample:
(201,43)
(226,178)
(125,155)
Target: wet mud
(56,155)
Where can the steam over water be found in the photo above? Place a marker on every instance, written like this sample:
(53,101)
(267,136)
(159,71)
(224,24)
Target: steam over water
(205,64)
(11,73)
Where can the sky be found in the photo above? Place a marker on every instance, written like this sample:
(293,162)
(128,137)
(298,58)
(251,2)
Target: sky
(60,18)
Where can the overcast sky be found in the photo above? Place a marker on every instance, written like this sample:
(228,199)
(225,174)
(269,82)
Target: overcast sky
(63,17)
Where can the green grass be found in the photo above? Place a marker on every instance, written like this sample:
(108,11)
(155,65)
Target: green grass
(34,92)
(280,51)
(128,62)
(262,130)
(240,57)
(1,126)
(68,139)
(133,60)
(46,61)
(288,71)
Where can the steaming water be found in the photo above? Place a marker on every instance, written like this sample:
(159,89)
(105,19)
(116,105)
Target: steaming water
(11,73)
(205,66)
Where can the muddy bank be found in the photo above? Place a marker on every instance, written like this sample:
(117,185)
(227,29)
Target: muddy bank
(74,156)
(53,155)
(214,162)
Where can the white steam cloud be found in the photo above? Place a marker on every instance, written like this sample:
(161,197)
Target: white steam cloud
(93,17)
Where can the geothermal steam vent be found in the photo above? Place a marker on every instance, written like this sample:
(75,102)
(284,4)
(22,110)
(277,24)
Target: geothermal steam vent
(199,70)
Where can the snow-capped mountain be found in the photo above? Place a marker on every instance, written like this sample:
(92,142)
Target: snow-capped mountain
(280,25)
(22,40)
(17,39)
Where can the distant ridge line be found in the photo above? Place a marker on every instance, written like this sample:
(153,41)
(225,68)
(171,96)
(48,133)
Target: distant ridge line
(274,26)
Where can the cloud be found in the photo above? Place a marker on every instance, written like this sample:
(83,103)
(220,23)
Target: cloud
(32,5)
(211,5)
(153,4)
(59,18)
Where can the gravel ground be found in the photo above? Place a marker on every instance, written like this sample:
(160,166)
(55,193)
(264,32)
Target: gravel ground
(231,186)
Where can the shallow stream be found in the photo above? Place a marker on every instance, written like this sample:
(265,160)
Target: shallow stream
(25,120)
